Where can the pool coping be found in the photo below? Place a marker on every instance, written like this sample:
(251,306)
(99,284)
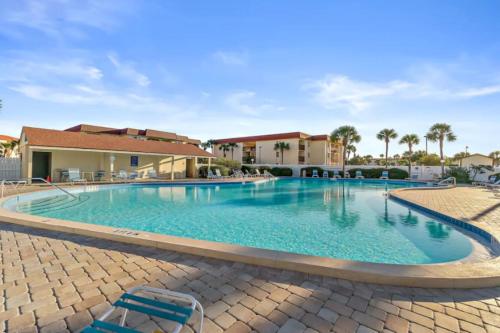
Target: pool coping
(447,275)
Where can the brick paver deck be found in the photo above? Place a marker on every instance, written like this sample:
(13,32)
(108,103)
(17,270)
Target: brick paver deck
(477,205)
(54,282)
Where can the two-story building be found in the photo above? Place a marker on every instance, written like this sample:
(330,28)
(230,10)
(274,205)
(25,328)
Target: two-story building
(261,149)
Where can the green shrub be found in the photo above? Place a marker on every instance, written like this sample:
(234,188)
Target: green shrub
(396,173)
(281,172)
(231,164)
(461,174)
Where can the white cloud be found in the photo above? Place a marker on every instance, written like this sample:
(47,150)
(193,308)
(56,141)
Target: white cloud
(344,93)
(231,58)
(59,18)
(127,71)
(244,102)
(338,91)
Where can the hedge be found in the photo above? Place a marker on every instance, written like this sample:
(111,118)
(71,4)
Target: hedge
(309,170)
(281,172)
(394,173)
(275,171)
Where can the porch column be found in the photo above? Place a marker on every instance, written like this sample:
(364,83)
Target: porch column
(172,174)
(111,165)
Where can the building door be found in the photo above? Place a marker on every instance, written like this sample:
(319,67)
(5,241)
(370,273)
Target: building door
(191,167)
(41,164)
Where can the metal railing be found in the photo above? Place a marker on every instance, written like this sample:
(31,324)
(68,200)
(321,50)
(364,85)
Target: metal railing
(55,186)
(448,181)
(15,186)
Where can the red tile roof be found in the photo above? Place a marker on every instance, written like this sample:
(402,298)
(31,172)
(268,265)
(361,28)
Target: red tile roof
(7,138)
(81,140)
(269,137)
(149,133)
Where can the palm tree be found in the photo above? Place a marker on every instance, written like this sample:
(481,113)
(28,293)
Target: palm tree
(232,145)
(495,155)
(6,148)
(410,140)
(441,132)
(208,144)
(350,149)
(386,135)
(225,148)
(347,135)
(281,146)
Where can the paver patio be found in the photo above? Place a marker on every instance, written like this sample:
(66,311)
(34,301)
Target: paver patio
(57,282)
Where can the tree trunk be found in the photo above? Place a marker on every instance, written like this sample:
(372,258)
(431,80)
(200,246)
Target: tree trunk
(386,152)
(282,150)
(409,161)
(232,153)
(442,157)
(343,161)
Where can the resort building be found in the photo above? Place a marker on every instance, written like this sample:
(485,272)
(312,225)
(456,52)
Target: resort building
(103,151)
(302,149)
(475,159)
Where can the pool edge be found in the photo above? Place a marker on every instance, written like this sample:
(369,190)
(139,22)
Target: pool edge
(452,275)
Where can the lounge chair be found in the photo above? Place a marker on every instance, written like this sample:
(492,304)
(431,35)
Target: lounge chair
(315,173)
(495,185)
(385,175)
(258,174)
(325,174)
(152,174)
(359,174)
(347,174)
(491,180)
(219,175)
(133,175)
(268,174)
(74,176)
(248,174)
(414,176)
(210,174)
(160,303)
(336,174)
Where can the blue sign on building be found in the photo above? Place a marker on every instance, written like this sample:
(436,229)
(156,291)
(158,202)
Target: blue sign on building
(134,161)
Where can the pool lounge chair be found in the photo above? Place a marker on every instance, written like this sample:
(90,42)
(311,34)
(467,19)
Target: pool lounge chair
(219,175)
(210,174)
(495,185)
(491,180)
(359,175)
(248,174)
(385,175)
(268,174)
(153,302)
(336,174)
(74,176)
(315,173)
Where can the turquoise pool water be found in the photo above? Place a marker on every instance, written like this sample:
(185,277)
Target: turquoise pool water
(349,220)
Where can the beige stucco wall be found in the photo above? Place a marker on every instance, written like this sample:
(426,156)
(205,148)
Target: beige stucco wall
(95,161)
(267,154)
(237,152)
(319,152)
(316,152)
(476,160)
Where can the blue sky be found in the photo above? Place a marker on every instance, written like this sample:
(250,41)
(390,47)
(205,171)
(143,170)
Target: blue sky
(213,69)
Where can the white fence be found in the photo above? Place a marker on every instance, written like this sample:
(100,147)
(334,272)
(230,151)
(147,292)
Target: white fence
(423,172)
(10,168)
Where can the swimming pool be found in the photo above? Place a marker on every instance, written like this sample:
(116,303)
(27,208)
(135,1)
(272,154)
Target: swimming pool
(350,220)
